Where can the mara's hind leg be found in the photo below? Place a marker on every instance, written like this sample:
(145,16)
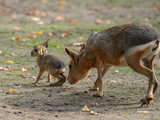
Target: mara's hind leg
(150,64)
(135,62)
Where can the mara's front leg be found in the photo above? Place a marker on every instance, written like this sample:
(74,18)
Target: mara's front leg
(49,78)
(105,69)
(41,71)
(99,83)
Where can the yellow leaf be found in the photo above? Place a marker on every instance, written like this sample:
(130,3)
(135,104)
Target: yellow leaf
(19,46)
(11,91)
(9,62)
(0,52)
(80,38)
(85,109)
(62,2)
(40,33)
(24,69)
(57,46)
(108,22)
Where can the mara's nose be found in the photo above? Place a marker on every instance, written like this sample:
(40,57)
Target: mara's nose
(32,53)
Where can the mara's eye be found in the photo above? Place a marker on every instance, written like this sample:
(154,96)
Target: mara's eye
(70,66)
(35,50)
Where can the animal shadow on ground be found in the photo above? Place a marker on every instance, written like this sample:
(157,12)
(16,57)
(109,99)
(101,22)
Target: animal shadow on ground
(69,99)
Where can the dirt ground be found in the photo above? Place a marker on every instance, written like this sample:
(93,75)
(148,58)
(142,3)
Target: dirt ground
(123,88)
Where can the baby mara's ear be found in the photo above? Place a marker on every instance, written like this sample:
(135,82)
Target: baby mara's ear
(45,44)
(43,51)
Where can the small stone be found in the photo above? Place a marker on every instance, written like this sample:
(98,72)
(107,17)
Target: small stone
(93,113)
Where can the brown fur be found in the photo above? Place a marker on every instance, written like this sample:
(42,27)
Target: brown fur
(129,44)
(49,63)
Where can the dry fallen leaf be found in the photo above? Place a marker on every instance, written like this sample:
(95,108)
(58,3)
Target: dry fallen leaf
(11,91)
(36,12)
(32,35)
(64,34)
(108,22)
(80,38)
(73,21)
(14,17)
(57,46)
(43,15)
(16,38)
(23,40)
(12,103)
(60,18)
(50,34)
(85,109)
(2,68)
(155,7)
(16,28)
(62,2)
(40,33)
(19,47)
(98,21)
(24,69)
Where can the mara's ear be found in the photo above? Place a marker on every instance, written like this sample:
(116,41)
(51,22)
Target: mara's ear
(45,44)
(83,45)
(72,55)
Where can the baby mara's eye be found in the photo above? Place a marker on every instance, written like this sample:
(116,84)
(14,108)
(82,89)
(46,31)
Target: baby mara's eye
(35,50)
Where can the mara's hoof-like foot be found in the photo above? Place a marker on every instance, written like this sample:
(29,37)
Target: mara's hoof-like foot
(146,101)
(35,84)
(99,94)
(48,81)
(57,84)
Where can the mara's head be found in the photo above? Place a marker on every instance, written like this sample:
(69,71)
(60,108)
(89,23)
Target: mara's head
(78,67)
(39,50)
